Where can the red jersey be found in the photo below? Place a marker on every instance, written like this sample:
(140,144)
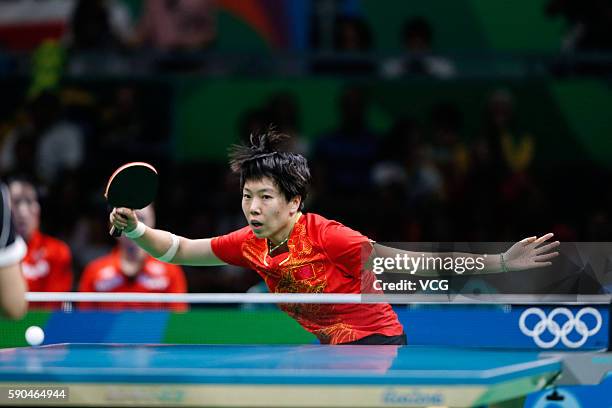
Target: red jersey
(324,257)
(104,275)
(47,267)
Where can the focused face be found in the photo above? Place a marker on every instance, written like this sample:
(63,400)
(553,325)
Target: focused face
(266,209)
(25,208)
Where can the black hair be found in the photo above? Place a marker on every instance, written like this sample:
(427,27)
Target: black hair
(24,178)
(361,28)
(262,158)
(417,27)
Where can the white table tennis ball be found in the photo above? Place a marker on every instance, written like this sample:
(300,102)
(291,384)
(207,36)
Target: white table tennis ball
(34,335)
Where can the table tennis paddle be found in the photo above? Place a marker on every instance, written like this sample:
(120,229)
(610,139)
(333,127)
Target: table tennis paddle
(133,186)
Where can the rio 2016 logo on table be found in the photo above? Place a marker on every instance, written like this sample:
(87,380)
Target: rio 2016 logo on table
(560,332)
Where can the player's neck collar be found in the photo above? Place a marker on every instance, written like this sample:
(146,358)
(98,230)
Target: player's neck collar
(272,247)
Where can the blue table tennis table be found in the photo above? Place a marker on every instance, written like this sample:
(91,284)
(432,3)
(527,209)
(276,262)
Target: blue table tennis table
(274,376)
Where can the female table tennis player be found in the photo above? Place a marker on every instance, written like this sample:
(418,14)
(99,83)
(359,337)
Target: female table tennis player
(299,252)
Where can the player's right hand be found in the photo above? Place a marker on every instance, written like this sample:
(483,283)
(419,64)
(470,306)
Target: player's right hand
(124,219)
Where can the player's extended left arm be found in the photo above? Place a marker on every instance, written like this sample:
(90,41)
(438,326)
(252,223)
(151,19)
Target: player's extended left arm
(529,253)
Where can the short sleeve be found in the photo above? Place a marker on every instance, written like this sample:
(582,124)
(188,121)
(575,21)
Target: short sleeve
(12,247)
(228,248)
(346,248)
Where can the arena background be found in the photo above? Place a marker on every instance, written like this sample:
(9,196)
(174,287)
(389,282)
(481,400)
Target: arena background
(421,154)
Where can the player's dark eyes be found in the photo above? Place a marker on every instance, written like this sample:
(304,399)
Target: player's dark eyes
(246,196)
(267,197)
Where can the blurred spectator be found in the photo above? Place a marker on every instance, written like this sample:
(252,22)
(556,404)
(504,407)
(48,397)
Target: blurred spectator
(127,133)
(509,144)
(450,156)
(391,177)
(352,41)
(588,30)
(281,112)
(47,266)
(284,115)
(342,163)
(89,237)
(488,163)
(352,34)
(500,164)
(284,112)
(408,160)
(411,183)
(253,121)
(340,32)
(589,23)
(449,150)
(99,25)
(175,25)
(345,155)
(130,269)
(46,144)
(417,42)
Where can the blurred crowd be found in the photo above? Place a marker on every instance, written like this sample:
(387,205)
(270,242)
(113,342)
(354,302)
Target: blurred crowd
(123,37)
(422,179)
(110,25)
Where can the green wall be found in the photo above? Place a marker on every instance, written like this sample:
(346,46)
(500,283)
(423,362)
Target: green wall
(517,25)
(587,107)
(208,112)
(235,327)
(209,326)
(12,332)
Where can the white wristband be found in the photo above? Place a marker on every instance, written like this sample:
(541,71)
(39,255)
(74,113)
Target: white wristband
(171,252)
(136,232)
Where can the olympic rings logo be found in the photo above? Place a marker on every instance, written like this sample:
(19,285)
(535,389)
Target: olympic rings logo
(560,333)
